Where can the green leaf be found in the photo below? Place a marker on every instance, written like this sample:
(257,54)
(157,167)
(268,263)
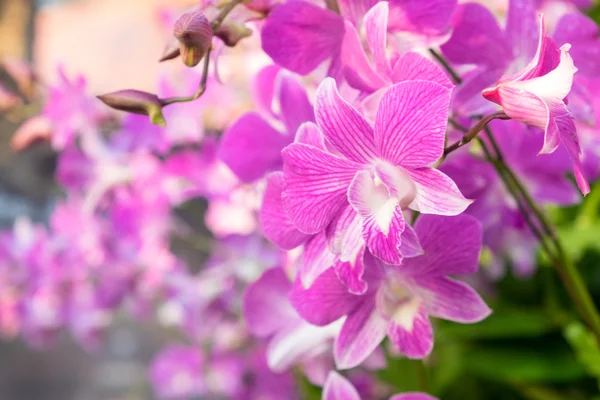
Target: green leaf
(510,363)
(401,373)
(503,323)
(586,347)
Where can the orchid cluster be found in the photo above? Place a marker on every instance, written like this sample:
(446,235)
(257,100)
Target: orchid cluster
(389,157)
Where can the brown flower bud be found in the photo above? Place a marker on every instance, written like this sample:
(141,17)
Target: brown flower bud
(171,51)
(231,32)
(136,102)
(194,32)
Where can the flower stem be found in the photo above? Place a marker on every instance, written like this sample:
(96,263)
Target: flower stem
(455,77)
(472,133)
(562,263)
(201,89)
(216,23)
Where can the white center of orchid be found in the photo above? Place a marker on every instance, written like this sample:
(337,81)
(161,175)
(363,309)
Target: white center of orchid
(398,182)
(396,301)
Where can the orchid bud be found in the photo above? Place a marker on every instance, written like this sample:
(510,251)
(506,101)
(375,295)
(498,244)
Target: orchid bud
(171,51)
(231,32)
(194,32)
(136,102)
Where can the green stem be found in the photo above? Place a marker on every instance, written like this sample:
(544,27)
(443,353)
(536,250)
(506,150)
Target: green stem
(216,23)
(201,88)
(472,133)
(455,77)
(562,263)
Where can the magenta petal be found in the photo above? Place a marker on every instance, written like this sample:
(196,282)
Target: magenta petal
(355,10)
(350,273)
(357,70)
(436,193)
(467,97)
(568,136)
(531,110)
(413,66)
(316,259)
(294,104)
(414,338)
(383,222)
(276,225)
(344,234)
(410,126)
(363,330)
(266,305)
(413,396)
(326,301)
(477,38)
(375,21)
(452,300)
(339,388)
(309,133)
(451,245)
(251,147)
(522,28)
(299,35)
(424,17)
(582,32)
(263,88)
(315,185)
(411,245)
(342,125)
(298,341)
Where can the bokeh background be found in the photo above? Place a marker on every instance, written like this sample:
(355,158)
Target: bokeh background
(521,352)
(115,44)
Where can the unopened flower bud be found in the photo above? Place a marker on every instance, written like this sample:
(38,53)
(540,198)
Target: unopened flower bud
(194,32)
(231,32)
(171,51)
(136,102)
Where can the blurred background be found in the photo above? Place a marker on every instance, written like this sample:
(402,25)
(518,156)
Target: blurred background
(521,352)
(115,44)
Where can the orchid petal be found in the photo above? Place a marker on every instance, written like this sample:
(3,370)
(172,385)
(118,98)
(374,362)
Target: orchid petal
(452,300)
(436,193)
(266,305)
(383,222)
(299,35)
(376,21)
(315,185)
(451,246)
(295,107)
(582,32)
(309,133)
(351,272)
(251,147)
(316,259)
(342,125)
(362,332)
(413,66)
(326,301)
(411,332)
(339,388)
(522,28)
(357,70)
(412,396)
(422,17)
(477,38)
(410,126)
(276,225)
